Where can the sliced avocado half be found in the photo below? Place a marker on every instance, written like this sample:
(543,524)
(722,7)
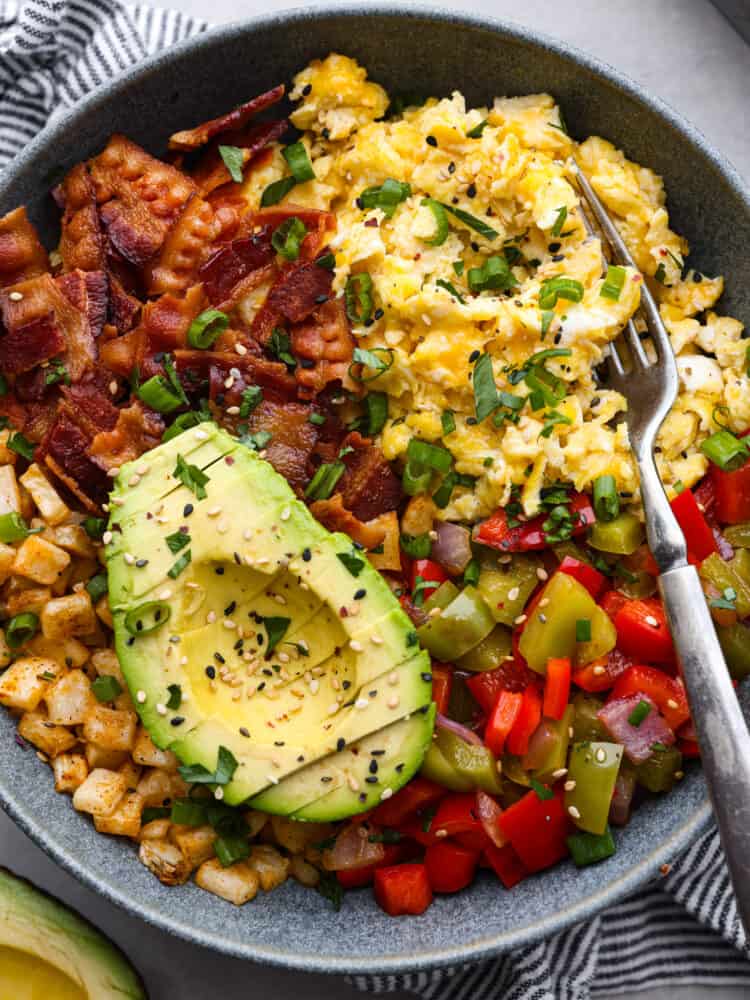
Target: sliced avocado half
(240,622)
(48,950)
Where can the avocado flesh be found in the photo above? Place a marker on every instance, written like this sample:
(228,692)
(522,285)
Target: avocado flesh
(328,677)
(73,960)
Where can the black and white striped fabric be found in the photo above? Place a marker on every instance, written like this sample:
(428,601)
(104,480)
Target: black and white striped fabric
(683,929)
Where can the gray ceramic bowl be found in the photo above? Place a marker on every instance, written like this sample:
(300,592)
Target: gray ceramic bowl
(430,52)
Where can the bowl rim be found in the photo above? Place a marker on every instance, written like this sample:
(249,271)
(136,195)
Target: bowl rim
(613,890)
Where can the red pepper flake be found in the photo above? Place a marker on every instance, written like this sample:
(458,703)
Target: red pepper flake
(229,460)
(373,223)
(343,613)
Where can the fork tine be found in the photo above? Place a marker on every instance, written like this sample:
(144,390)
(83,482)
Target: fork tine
(602,217)
(614,361)
(636,346)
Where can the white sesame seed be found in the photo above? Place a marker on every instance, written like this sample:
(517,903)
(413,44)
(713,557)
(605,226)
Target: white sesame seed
(279,598)
(183,661)
(213,512)
(386,794)
(671,703)
(361,703)
(504,559)
(219,793)
(559,773)
(283,657)
(114,472)
(650,620)
(113,388)
(165,594)
(352,783)
(16,296)
(286,514)
(542,574)
(161,709)
(314,686)
(247,534)
(426,319)
(222,527)
(192,585)
(140,697)
(599,670)
(210,617)
(543,603)
(332,709)
(574,812)
(441,833)
(356,646)
(134,480)
(228,623)
(520,620)
(569,785)
(601,755)
(129,559)
(107,537)
(513,593)
(272,778)
(393,678)
(393,701)
(376,640)
(240,349)
(201,435)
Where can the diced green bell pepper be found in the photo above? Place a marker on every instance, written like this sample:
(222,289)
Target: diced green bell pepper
(489,653)
(571,550)
(551,629)
(738,535)
(734,574)
(474,762)
(442,597)
(459,627)
(621,536)
(735,644)
(558,751)
(438,769)
(462,705)
(497,581)
(658,773)
(593,767)
(588,848)
(586,725)
(513,770)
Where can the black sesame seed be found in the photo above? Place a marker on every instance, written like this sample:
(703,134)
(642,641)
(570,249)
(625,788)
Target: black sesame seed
(187,510)
(473,357)
(219,571)
(373,767)
(230,608)
(244,732)
(475,246)
(362,797)
(306,555)
(377,753)
(371,779)
(426,677)
(454,200)
(340,743)
(326,778)
(346,685)
(140,563)
(219,658)
(399,767)
(211,672)
(301,758)
(557,338)
(130,641)
(378,314)
(261,685)
(471,191)
(278,743)
(431,140)
(307,89)
(360,204)
(697,277)
(359,594)
(451,167)
(554,247)
(595,401)
(177,721)
(326,133)
(237,558)
(471,421)
(373,693)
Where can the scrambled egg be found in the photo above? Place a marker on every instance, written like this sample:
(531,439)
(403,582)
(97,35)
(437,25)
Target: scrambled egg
(507,166)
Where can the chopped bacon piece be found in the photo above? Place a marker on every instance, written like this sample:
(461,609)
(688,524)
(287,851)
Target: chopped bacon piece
(195,137)
(93,410)
(334,515)
(139,198)
(319,224)
(26,346)
(369,487)
(292,440)
(137,430)
(123,310)
(215,367)
(295,294)
(232,264)
(89,292)
(64,451)
(22,256)
(191,240)
(81,239)
(326,340)
(212,172)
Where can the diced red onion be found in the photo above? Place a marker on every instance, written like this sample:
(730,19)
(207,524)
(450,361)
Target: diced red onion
(637,740)
(622,798)
(489,813)
(468,735)
(352,849)
(452,547)
(541,742)
(725,549)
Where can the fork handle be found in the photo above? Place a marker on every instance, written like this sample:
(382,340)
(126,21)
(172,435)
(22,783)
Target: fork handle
(718,719)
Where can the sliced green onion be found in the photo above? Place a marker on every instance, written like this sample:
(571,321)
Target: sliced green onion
(613,282)
(449,287)
(191,477)
(416,546)
(177,541)
(97,587)
(725,450)
(13,528)
(280,346)
(287,238)
(559,288)
(542,792)
(234,159)
(371,359)
(547,316)
(476,132)
(358,297)
(639,713)
(327,261)
(150,813)
(448,421)
(180,564)
(606,500)
(175,696)
(184,422)
(471,573)
(444,492)
(458,267)
(583,630)
(472,222)
(660,273)
(299,162)
(494,274)
(21,628)
(158,394)
(106,687)
(552,419)
(94,527)
(415,479)
(206,328)
(56,372)
(548,354)
(256,441)
(485,391)
(376,410)
(147,617)
(197,774)
(432,456)
(323,483)
(588,848)
(274,193)
(441,222)
(317,419)
(562,214)
(386,196)
(21,446)
(352,561)
(230,848)
(251,397)
(189,812)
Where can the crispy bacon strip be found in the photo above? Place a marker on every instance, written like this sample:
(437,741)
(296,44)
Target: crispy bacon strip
(230,266)
(93,410)
(88,291)
(29,344)
(123,310)
(369,487)
(212,172)
(292,441)
(139,198)
(334,515)
(40,297)
(81,240)
(137,430)
(22,256)
(196,137)
(64,451)
(319,224)
(295,294)
(197,368)
(326,341)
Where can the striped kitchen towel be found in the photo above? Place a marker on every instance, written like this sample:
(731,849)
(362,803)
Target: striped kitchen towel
(682,929)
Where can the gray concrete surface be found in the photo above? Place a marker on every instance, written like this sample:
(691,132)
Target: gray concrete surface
(687,53)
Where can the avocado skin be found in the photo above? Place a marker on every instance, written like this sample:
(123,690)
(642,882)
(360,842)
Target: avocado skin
(29,918)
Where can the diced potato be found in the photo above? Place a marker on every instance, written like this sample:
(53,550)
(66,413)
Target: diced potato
(147,753)
(71,652)
(109,728)
(237,884)
(165,860)
(62,583)
(157,829)
(303,871)
(97,756)
(68,616)
(27,508)
(45,735)
(70,770)
(255,821)
(48,501)
(30,598)
(132,773)
(272,869)
(7,455)
(419,515)
(103,611)
(5,652)
(196,843)
(295,836)
(125,820)
(105,663)
(124,703)
(73,538)
(156,788)
(24,684)
(10,498)
(390,557)
(100,793)
(7,555)
(40,561)
(69,699)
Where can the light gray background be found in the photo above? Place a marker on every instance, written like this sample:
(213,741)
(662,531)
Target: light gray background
(682,50)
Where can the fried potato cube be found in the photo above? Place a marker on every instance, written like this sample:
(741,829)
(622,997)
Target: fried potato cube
(132,773)
(70,770)
(255,821)
(110,728)
(105,663)
(157,829)
(6,655)
(271,868)
(45,735)
(390,557)
(165,860)
(34,599)
(40,561)
(72,615)
(125,820)
(156,788)
(237,884)
(303,871)
(24,684)
(195,842)
(147,753)
(69,700)
(295,836)
(73,538)
(97,756)
(100,793)
(7,555)
(48,501)
(10,497)
(103,611)
(71,652)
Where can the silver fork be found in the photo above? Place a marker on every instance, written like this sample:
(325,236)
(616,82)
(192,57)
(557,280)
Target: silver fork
(650,388)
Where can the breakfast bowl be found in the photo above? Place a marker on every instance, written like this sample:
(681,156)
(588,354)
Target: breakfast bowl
(408,50)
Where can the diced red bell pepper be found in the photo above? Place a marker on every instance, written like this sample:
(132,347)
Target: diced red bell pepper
(501,720)
(667,693)
(689,748)
(529,535)
(696,529)
(556,688)
(611,602)
(442,682)
(457,813)
(418,794)
(601,674)
(430,573)
(354,878)
(450,867)
(414,829)
(402,890)
(732,494)
(537,829)
(527,720)
(486,687)
(506,864)
(591,578)
(642,631)
(476,840)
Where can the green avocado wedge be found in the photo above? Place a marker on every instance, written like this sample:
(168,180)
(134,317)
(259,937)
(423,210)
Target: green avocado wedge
(48,950)
(255,643)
